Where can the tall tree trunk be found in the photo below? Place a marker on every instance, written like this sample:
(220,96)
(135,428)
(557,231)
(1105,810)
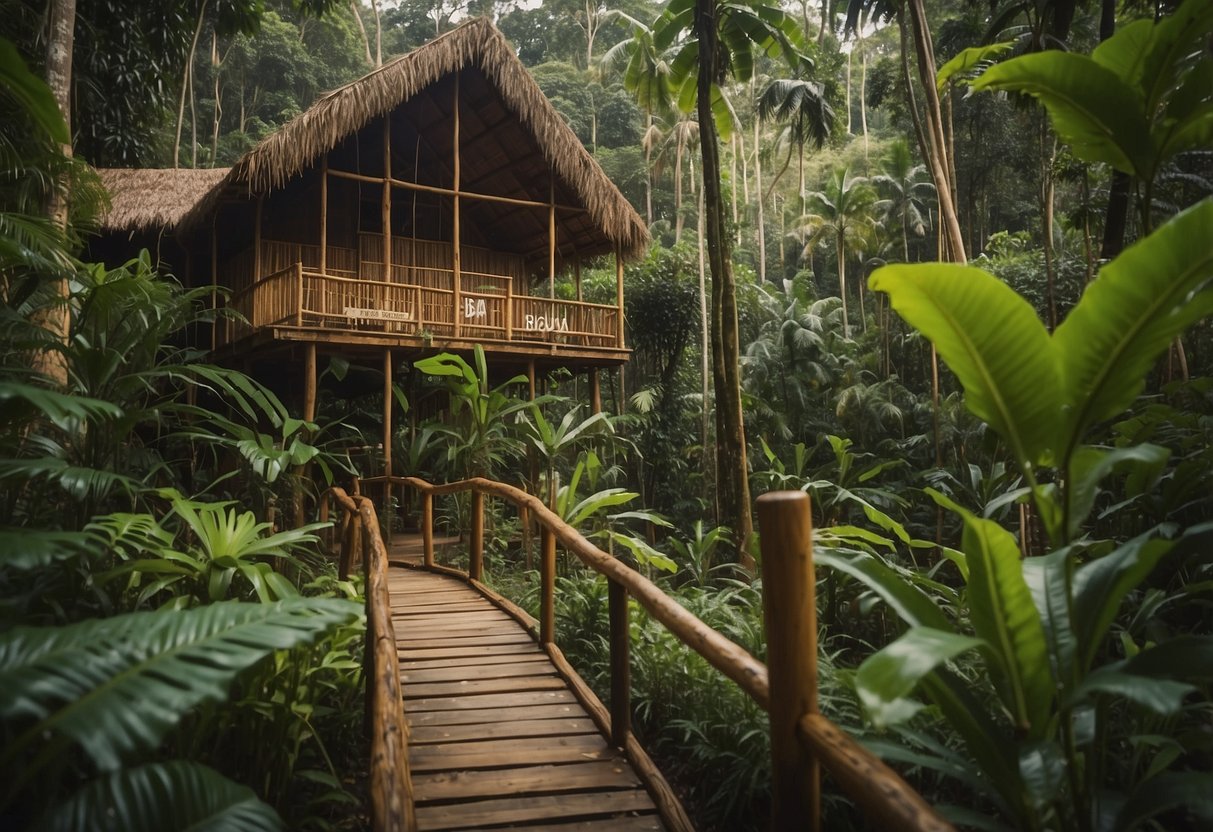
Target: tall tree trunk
(762,225)
(1046,204)
(366,42)
(711,493)
(215,63)
(937,156)
(842,284)
(55,315)
(863,91)
(731,469)
(185,80)
(849,131)
(648,172)
(378,34)
(193,119)
(678,220)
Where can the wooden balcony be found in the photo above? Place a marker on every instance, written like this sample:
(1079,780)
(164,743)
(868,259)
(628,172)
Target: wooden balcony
(420,305)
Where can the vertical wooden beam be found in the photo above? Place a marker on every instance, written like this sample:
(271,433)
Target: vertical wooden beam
(387,412)
(298,293)
(309,384)
(790,616)
(547,587)
(456,240)
(551,233)
(257,238)
(619,296)
(214,278)
(595,392)
(427,527)
(577,277)
(386,207)
(324,214)
(621,674)
(530,378)
(476,557)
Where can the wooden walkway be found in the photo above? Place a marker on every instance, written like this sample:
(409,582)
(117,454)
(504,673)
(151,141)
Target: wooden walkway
(496,737)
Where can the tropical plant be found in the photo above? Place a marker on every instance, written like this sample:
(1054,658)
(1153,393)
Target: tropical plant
(1063,699)
(904,204)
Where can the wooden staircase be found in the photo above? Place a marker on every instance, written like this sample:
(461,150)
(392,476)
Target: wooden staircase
(496,736)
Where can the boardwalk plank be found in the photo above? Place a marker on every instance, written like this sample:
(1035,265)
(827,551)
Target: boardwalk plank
(511,729)
(481,813)
(469,785)
(497,700)
(523,683)
(531,666)
(508,753)
(483,716)
(506,651)
(411,664)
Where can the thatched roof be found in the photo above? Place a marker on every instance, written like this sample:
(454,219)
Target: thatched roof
(150,199)
(608,220)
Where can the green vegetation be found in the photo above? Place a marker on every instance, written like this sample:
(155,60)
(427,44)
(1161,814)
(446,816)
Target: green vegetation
(1012,476)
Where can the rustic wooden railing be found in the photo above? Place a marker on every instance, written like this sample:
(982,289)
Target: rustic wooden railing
(391,785)
(802,740)
(486,310)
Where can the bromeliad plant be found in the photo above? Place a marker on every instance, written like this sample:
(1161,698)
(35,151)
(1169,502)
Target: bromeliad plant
(1045,743)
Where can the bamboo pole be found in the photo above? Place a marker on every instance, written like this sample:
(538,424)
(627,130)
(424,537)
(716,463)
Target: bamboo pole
(324,213)
(790,616)
(621,674)
(299,294)
(214,279)
(530,378)
(257,238)
(476,557)
(456,240)
(386,207)
(547,592)
(595,391)
(551,233)
(619,297)
(440,191)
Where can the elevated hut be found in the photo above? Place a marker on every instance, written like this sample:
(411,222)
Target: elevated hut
(428,206)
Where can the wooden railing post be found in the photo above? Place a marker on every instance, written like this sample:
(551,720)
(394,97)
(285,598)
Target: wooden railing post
(789,608)
(427,527)
(476,558)
(621,672)
(299,290)
(547,590)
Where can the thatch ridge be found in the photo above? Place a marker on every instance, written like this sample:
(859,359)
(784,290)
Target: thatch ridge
(148,199)
(340,113)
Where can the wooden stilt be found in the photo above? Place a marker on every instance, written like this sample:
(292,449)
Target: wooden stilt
(547,591)
(387,413)
(530,378)
(257,238)
(551,233)
(621,673)
(577,277)
(214,279)
(309,415)
(595,392)
(476,556)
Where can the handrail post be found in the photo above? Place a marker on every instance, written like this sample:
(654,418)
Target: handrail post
(476,559)
(427,527)
(547,592)
(621,674)
(789,607)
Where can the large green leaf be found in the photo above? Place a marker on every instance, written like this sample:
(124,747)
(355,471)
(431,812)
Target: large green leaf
(1090,465)
(1004,615)
(116,685)
(1100,116)
(1101,585)
(1127,317)
(31,93)
(1188,789)
(178,795)
(887,677)
(992,340)
(1162,696)
(913,605)
(1047,580)
(968,60)
(30,548)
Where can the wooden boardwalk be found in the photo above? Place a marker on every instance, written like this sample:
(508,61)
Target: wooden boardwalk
(496,737)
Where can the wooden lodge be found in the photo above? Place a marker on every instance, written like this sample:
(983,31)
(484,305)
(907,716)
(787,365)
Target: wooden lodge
(430,205)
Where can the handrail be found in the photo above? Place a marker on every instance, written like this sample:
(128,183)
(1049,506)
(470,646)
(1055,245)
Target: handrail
(392,807)
(802,739)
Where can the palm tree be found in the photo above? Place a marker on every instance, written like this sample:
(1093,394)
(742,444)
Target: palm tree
(802,106)
(843,215)
(905,194)
(718,40)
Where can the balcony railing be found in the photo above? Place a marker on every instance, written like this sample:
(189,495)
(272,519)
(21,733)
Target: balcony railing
(486,309)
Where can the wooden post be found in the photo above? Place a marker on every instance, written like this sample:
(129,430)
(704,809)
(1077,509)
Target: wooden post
(309,415)
(530,378)
(551,233)
(577,277)
(427,527)
(257,238)
(387,413)
(214,279)
(790,616)
(324,213)
(456,239)
(476,557)
(619,296)
(299,294)
(386,207)
(621,673)
(595,392)
(509,310)
(547,590)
